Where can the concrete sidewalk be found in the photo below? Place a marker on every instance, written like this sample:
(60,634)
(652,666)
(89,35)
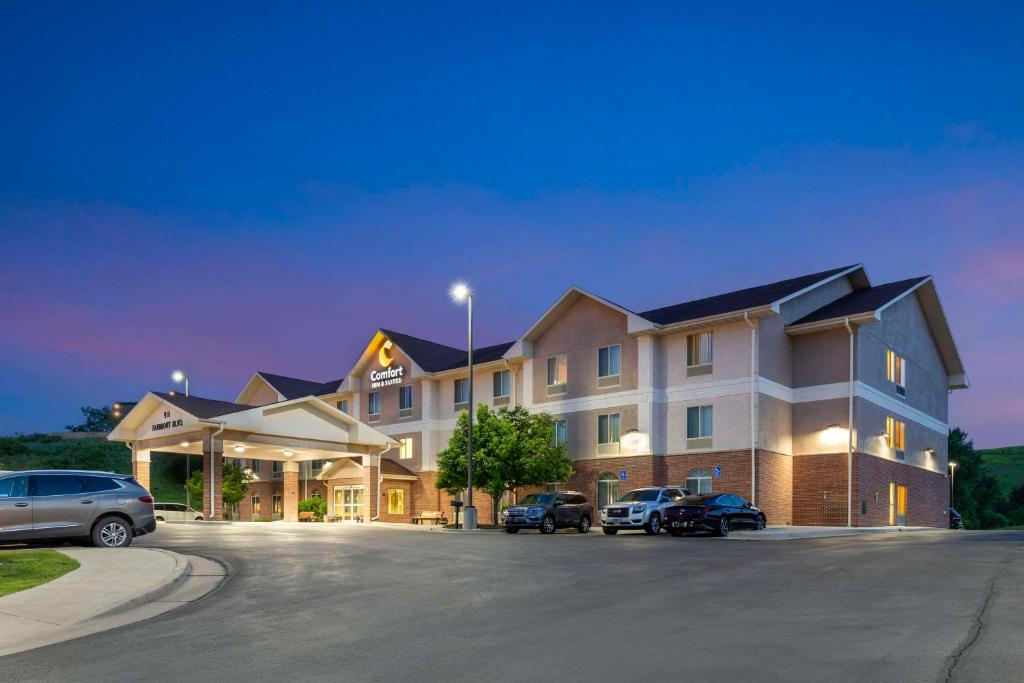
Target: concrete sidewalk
(110,588)
(793,533)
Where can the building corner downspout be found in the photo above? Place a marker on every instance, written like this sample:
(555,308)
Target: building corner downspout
(753,407)
(849,434)
(380,478)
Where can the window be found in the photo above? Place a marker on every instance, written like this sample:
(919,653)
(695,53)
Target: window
(560,433)
(278,506)
(699,426)
(699,354)
(558,374)
(278,468)
(405,450)
(461,392)
(343,405)
(607,489)
(608,366)
(14,487)
(255,501)
(608,429)
(96,484)
(896,371)
(56,485)
(396,501)
(895,433)
(373,404)
(404,401)
(255,466)
(698,481)
(502,387)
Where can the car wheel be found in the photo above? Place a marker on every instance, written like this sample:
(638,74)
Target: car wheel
(760,522)
(547,525)
(676,532)
(653,527)
(584,525)
(159,519)
(723,527)
(198,519)
(112,532)
(511,530)
(608,531)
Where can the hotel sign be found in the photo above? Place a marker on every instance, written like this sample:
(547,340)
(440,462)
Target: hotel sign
(389,375)
(167,424)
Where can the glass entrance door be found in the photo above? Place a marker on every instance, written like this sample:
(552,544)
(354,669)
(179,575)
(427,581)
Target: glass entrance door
(607,490)
(348,503)
(897,504)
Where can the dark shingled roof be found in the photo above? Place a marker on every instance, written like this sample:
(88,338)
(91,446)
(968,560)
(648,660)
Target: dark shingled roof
(292,387)
(202,408)
(861,301)
(739,300)
(434,357)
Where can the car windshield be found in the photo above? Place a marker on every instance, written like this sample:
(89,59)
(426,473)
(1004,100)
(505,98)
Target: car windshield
(640,495)
(537,499)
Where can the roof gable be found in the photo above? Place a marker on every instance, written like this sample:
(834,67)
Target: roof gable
(863,301)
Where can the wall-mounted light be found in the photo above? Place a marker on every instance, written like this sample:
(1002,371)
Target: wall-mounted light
(239,448)
(930,451)
(288,452)
(834,434)
(183,444)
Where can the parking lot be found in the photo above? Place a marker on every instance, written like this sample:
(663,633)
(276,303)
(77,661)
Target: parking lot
(369,604)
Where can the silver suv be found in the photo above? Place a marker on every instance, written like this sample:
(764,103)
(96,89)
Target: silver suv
(640,509)
(104,508)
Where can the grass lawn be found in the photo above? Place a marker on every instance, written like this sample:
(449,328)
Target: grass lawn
(22,569)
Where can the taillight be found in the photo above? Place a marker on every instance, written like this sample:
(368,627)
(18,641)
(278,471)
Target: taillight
(145,499)
(705,511)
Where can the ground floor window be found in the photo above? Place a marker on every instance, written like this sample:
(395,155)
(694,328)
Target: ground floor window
(396,501)
(698,481)
(607,489)
(348,503)
(255,509)
(278,506)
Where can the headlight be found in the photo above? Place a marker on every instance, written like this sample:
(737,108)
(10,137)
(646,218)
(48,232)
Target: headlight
(639,508)
(504,513)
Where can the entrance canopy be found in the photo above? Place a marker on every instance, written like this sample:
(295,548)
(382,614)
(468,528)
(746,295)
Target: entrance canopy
(296,430)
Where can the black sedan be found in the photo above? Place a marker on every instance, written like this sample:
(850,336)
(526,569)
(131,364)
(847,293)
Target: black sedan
(718,513)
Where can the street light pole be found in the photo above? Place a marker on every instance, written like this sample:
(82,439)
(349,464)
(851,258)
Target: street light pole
(179,376)
(952,482)
(461,292)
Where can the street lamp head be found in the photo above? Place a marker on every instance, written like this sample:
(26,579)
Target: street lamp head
(178,376)
(952,465)
(460,292)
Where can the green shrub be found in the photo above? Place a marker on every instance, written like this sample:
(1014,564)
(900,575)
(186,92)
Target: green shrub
(318,506)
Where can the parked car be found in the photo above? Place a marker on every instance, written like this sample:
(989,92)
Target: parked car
(640,509)
(103,508)
(956,520)
(718,513)
(176,512)
(549,511)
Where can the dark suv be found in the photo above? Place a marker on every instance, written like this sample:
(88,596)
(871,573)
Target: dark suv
(549,511)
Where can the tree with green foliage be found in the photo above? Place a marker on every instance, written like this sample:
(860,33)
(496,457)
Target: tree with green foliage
(96,420)
(976,495)
(316,505)
(234,482)
(511,448)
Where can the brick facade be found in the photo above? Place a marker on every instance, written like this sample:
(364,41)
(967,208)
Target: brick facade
(217,511)
(140,470)
(291,496)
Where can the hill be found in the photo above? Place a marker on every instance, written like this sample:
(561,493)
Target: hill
(91,451)
(1005,464)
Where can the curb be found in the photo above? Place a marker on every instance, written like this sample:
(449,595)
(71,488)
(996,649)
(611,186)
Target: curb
(179,575)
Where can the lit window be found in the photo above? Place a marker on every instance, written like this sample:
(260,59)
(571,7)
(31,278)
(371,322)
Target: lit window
(896,371)
(278,505)
(404,401)
(699,349)
(502,384)
(698,481)
(608,428)
(373,404)
(558,374)
(461,392)
(608,365)
(700,423)
(895,435)
(560,433)
(396,501)
(405,450)
(255,501)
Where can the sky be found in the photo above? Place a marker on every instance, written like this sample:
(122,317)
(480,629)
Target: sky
(226,188)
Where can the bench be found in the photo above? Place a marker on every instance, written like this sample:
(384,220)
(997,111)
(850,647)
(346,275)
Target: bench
(435,516)
(307,516)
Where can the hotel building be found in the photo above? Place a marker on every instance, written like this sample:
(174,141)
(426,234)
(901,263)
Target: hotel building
(822,398)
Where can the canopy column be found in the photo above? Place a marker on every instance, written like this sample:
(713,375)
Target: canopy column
(213,496)
(290,477)
(140,466)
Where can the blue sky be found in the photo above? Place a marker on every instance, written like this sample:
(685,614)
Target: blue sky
(173,173)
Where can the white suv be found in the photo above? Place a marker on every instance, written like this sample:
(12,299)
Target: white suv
(175,512)
(640,509)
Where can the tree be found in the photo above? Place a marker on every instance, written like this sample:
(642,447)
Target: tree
(96,420)
(976,495)
(316,505)
(234,482)
(511,448)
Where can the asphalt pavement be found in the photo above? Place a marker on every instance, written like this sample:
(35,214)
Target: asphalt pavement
(367,604)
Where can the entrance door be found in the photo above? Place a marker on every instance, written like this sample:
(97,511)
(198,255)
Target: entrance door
(348,502)
(607,490)
(897,504)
